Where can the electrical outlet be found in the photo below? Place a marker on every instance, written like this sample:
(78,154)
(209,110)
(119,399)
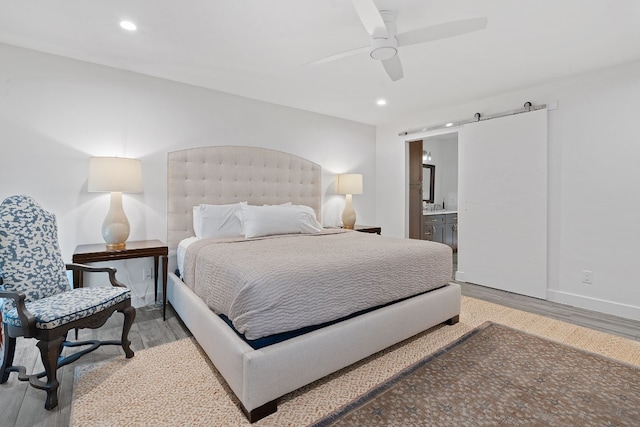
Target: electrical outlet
(146,274)
(587,276)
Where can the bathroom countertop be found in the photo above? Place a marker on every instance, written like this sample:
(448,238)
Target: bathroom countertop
(440,212)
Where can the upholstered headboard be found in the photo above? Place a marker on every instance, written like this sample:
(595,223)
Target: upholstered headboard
(231,174)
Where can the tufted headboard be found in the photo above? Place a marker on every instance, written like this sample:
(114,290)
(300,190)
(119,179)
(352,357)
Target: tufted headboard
(231,174)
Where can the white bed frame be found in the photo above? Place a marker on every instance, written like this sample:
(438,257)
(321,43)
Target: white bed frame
(223,174)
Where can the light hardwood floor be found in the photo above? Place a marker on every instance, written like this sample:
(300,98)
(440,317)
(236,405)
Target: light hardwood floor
(22,405)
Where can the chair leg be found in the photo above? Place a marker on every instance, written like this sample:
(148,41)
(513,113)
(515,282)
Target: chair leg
(64,340)
(129,316)
(8,351)
(49,355)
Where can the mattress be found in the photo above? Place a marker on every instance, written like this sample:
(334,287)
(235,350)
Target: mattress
(276,284)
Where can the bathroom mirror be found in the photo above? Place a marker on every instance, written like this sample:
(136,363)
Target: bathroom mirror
(428,182)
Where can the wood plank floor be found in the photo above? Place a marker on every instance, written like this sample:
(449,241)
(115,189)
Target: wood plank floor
(22,405)
(591,319)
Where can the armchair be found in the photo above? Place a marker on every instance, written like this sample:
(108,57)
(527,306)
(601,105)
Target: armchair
(36,300)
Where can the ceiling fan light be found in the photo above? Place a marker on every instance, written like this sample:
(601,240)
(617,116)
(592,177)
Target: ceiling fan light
(383,53)
(382,49)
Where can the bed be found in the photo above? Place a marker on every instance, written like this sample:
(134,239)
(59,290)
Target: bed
(258,377)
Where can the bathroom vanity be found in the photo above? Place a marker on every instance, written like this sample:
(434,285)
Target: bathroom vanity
(441,226)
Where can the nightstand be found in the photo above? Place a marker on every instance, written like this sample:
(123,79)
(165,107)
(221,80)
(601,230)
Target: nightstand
(367,229)
(140,249)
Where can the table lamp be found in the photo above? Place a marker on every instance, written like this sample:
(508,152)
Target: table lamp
(115,175)
(349,184)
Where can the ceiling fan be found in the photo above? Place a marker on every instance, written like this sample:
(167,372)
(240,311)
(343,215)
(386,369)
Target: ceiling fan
(384,43)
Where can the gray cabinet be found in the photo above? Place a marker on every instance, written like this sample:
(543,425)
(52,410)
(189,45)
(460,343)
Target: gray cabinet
(441,228)
(433,228)
(451,230)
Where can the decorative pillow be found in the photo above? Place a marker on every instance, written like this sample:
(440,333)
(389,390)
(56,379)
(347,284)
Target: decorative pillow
(258,221)
(216,221)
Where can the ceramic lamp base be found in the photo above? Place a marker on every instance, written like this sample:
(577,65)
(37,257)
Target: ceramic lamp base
(348,214)
(116,246)
(115,228)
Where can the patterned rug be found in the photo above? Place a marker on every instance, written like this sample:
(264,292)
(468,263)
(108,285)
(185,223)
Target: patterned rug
(496,375)
(175,384)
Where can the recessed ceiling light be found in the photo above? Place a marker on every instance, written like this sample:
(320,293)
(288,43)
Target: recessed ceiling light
(128,25)
(449,124)
(381,102)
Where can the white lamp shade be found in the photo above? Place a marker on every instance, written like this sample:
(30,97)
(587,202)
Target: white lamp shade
(115,174)
(350,183)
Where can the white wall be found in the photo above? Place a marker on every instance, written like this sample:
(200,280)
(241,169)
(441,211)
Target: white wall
(55,113)
(593,154)
(444,155)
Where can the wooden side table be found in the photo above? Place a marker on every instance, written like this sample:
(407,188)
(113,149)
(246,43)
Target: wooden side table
(140,249)
(368,229)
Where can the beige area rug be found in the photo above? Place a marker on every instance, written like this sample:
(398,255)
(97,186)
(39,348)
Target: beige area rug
(175,384)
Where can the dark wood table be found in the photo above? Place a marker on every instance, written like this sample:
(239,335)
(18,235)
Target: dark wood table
(367,229)
(139,249)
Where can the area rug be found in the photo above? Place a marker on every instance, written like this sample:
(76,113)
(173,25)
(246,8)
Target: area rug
(175,384)
(496,375)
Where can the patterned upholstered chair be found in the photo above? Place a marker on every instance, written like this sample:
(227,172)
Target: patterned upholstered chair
(37,301)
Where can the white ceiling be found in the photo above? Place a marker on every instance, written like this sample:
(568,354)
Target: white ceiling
(261,48)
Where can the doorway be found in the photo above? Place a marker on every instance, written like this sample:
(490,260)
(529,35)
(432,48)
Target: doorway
(432,177)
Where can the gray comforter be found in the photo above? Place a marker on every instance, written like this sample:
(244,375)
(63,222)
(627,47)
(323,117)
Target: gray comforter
(282,283)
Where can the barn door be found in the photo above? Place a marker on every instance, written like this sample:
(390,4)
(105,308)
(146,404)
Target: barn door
(502,179)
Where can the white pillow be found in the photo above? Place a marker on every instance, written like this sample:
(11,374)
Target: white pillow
(239,212)
(216,221)
(258,221)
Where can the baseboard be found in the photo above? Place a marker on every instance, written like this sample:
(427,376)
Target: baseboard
(602,306)
(142,301)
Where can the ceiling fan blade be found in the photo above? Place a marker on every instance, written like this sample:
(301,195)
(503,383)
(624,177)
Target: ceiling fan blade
(371,18)
(341,55)
(442,31)
(393,66)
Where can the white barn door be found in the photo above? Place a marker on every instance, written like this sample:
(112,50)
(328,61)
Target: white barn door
(502,207)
